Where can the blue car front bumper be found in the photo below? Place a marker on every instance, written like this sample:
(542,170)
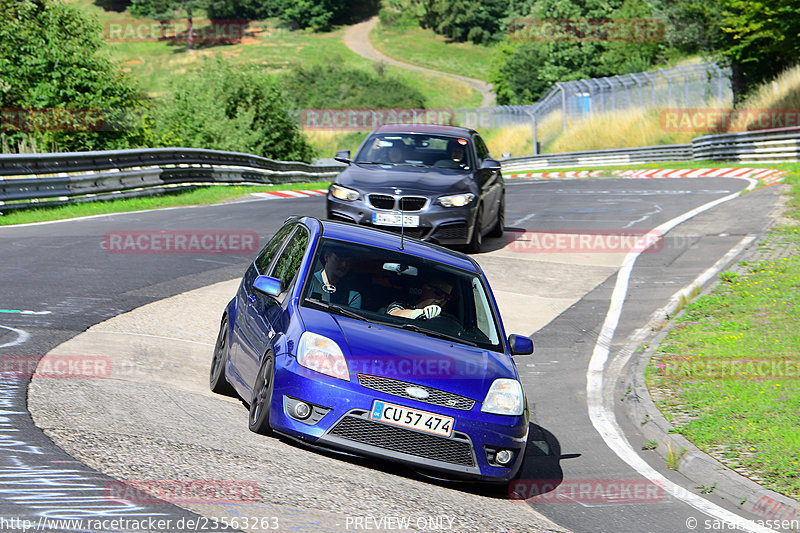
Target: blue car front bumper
(343,422)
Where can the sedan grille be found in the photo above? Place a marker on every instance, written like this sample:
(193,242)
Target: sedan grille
(398,388)
(381,201)
(404,441)
(412,203)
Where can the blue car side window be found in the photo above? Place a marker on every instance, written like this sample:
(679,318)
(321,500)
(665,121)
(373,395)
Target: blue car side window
(266,256)
(288,263)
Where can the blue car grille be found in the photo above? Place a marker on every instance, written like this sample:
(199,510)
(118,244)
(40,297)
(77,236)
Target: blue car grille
(403,440)
(398,388)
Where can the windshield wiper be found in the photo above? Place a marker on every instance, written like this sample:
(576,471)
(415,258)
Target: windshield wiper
(337,309)
(437,334)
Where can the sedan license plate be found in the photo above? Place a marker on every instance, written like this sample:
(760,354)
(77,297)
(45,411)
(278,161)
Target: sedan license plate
(392,219)
(412,418)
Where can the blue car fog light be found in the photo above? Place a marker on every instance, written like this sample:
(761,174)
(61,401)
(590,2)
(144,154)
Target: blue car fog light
(303,411)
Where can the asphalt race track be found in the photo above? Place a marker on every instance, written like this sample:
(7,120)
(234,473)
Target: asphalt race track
(152,418)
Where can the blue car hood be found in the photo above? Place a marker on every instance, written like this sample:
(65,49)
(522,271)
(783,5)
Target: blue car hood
(389,352)
(419,180)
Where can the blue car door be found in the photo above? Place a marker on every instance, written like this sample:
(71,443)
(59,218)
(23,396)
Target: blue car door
(265,319)
(246,324)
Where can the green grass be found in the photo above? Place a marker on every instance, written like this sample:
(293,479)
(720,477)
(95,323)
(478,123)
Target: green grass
(752,421)
(156,64)
(199,196)
(426,49)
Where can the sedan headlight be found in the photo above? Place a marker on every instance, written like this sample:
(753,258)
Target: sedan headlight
(457,200)
(504,398)
(344,193)
(323,355)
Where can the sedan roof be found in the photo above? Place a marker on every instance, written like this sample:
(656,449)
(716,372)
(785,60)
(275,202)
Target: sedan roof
(426,128)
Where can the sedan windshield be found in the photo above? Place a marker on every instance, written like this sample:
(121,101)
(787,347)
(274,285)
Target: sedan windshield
(404,291)
(416,149)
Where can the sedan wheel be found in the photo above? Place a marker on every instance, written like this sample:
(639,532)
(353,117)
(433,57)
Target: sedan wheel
(262,397)
(497,229)
(216,377)
(475,243)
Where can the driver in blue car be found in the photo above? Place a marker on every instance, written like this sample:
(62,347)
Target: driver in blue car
(331,282)
(434,297)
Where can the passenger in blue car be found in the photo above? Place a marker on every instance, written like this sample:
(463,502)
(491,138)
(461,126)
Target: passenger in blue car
(434,297)
(331,283)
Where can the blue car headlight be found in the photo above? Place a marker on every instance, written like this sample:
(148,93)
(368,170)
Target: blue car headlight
(344,193)
(323,355)
(456,200)
(505,397)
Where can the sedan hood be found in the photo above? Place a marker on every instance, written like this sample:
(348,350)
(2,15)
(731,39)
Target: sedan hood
(412,180)
(389,352)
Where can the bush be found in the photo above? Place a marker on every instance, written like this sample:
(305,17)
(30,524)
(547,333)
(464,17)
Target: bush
(334,86)
(230,107)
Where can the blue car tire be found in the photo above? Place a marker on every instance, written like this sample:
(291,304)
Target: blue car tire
(262,396)
(216,377)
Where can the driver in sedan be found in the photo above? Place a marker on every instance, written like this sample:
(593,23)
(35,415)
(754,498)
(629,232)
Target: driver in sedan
(434,297)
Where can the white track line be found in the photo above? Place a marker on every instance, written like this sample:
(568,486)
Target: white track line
(22,336)
(601,412)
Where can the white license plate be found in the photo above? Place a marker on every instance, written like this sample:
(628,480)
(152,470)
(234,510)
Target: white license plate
(392,219)
(412,418)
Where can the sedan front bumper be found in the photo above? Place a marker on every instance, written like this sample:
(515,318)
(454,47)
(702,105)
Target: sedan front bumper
(442,225)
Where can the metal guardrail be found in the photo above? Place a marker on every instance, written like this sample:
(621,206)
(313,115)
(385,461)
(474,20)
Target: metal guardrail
(64,177)
(762,146)
(622,156)
(59,177)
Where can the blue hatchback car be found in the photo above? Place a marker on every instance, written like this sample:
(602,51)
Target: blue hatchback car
(366,342)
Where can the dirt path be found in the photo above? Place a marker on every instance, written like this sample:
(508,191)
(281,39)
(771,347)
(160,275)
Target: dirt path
(356,38)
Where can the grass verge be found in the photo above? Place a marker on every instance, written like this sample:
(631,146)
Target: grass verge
(422,47)
(199,196)
(726,375)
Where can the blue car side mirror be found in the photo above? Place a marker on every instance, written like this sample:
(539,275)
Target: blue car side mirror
(267,285)
(520,345)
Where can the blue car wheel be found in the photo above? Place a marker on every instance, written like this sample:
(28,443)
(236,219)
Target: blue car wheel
(262,396)
(216,377)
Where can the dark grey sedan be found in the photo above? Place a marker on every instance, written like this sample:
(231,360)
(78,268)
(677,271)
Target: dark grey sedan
(437,183)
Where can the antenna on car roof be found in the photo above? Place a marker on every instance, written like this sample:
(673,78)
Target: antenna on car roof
(402,224)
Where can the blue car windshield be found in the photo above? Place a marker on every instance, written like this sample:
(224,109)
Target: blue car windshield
(403,291)
(416,149)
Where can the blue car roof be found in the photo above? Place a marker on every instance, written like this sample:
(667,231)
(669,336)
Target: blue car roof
(385,239)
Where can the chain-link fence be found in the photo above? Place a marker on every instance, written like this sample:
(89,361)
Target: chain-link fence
(696,85)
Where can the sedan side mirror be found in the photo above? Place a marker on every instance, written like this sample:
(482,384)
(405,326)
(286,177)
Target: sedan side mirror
(267,285)
(343,156)
(490,164)
(520,345)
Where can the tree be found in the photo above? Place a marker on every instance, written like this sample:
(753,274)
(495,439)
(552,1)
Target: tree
(169,10)
(759,39)
(478,21)
(224,106)
(62,88)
